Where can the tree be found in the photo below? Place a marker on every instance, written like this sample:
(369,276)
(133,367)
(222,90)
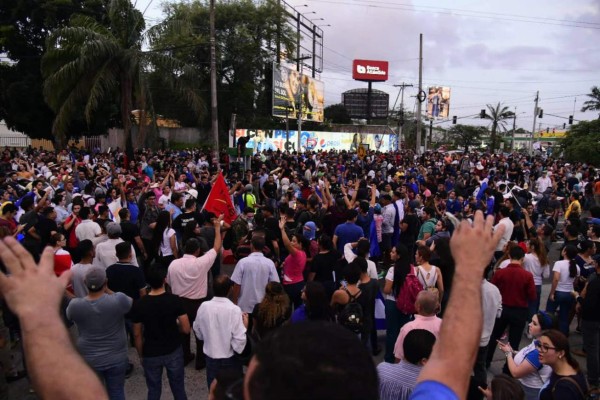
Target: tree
(582,142)
(498,115)
(88,63)
(594,103)
(24,28)
(246,34)
(337,114)
(466,135)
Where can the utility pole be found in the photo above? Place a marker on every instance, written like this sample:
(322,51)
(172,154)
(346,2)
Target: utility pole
(418,138)
(512,146)
(401,113)
(213,86)
(430,134)
(535,113)
(301,105)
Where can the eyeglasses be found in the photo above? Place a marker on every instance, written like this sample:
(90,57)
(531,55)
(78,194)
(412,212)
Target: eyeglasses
(540,346)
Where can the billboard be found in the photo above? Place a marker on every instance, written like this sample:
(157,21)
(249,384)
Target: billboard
(260,140)
(370,70)
(438,102)
(286,95)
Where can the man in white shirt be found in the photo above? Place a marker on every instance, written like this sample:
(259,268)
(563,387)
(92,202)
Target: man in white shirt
(508,230)
(491,304)
(79,270)
(106,255)
(87,229)
(543,182)
(188,278)
(251,276)
(222,326)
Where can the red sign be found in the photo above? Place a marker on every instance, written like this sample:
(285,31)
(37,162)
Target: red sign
(370,70)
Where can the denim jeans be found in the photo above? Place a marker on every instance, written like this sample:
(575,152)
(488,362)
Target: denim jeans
(114,380)
(394,321)
(214,365)
(153,368)
(564,302)
(591,345)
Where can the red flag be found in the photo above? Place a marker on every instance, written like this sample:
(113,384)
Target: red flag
(219,201)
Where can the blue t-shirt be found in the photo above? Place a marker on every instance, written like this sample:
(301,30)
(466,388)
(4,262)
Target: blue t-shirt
(432,390)
(347,233)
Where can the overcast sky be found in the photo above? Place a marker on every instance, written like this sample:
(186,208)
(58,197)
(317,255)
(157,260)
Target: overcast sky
(487,52)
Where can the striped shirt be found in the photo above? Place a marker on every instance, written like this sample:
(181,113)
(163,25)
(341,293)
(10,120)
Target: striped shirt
(397,381)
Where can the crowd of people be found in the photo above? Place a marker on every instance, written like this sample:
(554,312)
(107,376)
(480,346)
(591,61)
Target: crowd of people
(327,248)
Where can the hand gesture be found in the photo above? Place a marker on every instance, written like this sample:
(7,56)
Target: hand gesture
(217,221)
(282,223)
(27,278)
(471,260)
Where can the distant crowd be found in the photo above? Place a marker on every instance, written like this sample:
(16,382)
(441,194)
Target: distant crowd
(326,249)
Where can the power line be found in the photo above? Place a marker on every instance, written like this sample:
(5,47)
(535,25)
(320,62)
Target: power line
(535,20)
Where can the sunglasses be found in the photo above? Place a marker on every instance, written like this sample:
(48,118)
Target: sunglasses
(540,346)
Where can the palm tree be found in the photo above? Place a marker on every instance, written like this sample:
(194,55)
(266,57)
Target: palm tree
(498,115)
(594,103)
(88,64)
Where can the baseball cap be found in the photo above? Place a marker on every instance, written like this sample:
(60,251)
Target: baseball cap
(95,278)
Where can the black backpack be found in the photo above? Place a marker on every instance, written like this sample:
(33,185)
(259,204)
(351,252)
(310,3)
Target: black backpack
(351,316)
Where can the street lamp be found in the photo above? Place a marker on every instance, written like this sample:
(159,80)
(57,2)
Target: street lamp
(310,12)
(321,26)
(317,19)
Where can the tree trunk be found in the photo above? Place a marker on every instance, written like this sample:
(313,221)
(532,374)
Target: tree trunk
(493,145)
(126,104)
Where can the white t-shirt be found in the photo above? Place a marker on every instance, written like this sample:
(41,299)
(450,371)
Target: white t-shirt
(389,277)
(508,230)
(538,378)
(165,244)
(565,282)
(531,263)
(504,264)
(427,279)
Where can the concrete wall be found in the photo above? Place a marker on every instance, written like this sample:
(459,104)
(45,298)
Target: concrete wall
(193,136)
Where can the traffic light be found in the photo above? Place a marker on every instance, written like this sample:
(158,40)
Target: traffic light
(482,114)
(541,115)
(454,120)
(547,130)
(564,125)
(570,120)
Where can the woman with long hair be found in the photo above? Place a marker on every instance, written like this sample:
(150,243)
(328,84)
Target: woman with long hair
(429,275)
(62,258)
(316,304)
(164,241)
(394,280)
(294,264)
(565,271)
(445,262)
(525,365)
(536,262)
(271,312)
(567,382)
(503,261)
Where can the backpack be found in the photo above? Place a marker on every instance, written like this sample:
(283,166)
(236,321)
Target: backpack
(585,394)
(228,240)
(405,301)
(351,316)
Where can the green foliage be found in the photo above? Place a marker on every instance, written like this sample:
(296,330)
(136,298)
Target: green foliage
(337,114)
(583,143)
(466,136)
(24,29)
(593,104)
(497,115)
(246,33)
(93,63)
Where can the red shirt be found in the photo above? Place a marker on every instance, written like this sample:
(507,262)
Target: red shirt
(72,242)
(516,286)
